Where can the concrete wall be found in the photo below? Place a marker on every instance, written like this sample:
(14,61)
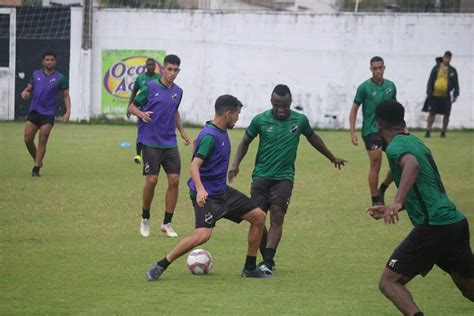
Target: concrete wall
(321,57)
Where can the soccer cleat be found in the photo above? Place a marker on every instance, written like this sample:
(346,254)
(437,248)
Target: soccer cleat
(257,273)
(35,172)
(266,268)
(137,159)
(145,227)
(427,134)
(155,272)
(169,230)
(443,135)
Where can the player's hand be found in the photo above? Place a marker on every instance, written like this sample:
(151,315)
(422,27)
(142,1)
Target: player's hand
(354,139)
(66,117)
(186,138)
(128,115)
(146,116)
(338,162)
(232,173)
(376,211)
(388,213)
(201,198)
(25,95)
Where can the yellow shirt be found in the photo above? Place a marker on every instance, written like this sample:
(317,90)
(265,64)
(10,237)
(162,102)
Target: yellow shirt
(441,83)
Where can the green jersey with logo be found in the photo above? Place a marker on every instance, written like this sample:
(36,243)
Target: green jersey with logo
(370,94)
(278,144)
(426,202)
(143,79)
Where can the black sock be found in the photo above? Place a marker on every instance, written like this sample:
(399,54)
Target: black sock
(376,199)
(168,217)
(139,148)
(164,263)
(145,214)
(36,169)
(269,254)
(383,188)
(250,263)
(419,314)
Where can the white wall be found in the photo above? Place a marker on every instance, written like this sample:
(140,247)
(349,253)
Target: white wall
(322,58)
(7,74)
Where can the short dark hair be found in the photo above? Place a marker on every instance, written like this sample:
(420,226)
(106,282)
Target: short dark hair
(49,53)
(172,60)
(448,54)
(281,90)
(376,59)
(390,113)
(226,103)
(150,59)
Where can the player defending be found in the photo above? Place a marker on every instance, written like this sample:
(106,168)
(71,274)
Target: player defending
(441,232)
(45,85)
(159,117)
(139,84)
(370,94)
(211,197)
(279,130)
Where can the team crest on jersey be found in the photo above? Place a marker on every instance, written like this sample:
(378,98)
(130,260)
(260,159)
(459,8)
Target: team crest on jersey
(174,96)
(388,91)
(53,80)
(269,128)
(293,128)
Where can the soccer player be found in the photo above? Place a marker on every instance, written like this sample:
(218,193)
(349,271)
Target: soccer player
(442,82)
(45,85)
(139,84)
(157,108)
(212,199)
(441,232)
(279,130)
(370,94)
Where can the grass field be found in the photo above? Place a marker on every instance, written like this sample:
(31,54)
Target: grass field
(70,241)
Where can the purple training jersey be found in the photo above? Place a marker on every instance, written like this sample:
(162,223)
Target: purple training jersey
(46,88)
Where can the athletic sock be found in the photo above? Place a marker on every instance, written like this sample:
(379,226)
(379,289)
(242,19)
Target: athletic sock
(269,254)
(376,199)
(419,314)
(36,169)
(164,263)
(383,188)
(146,213)
(139,148)
(168,217)
(250,263)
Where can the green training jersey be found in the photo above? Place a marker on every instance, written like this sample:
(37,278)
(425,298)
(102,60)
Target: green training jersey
(143,79)
(278,144)
(426,202)
(370,94)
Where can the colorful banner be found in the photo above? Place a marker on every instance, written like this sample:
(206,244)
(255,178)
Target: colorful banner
(120,68)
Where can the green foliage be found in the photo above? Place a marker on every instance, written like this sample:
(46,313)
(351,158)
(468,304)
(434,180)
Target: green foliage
(150,4)
(448,6)
(70,242)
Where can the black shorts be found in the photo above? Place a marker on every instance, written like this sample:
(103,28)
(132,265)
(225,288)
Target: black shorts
(40,119)
(373,141)
(232,205)
(438,105)
(266,192)
(446,246)
(154,158)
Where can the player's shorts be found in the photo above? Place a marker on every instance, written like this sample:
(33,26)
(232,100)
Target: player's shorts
(232,205)
(373,141)
(438,105)
(266,192)
(446,246)
(154,158)
(40,119)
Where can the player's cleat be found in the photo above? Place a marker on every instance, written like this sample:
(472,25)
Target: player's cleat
(155,272)
(137,159)
(35,172)
(427,134)
(145,227)
(169,230)
(257,273)
(443,135)
(266,268)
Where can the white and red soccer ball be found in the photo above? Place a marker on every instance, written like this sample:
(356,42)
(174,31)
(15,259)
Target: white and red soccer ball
(199,261)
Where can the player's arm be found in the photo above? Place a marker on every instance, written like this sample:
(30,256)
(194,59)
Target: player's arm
(239,155)
(201,196)
(410,170)
(320,146)
(140,101)
(180,127)
(26,93)
(132,97)
(352,123)
(455,86)
(67,102)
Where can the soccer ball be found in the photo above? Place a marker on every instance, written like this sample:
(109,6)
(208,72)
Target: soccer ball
(199,261)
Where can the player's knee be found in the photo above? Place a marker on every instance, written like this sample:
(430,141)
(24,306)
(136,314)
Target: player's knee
(384,285)
(43,138)
(151,180)
(259,217)
(201,238)
(173,181)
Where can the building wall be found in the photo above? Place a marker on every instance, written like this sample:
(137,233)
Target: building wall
(322,58)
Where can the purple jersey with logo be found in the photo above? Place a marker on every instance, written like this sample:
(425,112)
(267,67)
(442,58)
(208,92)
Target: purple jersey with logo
(160,132)
(214,169)
(46,88)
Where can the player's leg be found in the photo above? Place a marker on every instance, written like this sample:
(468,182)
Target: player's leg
(29,136)
(138,156)
(445,125)
(260,195)
(383,187)
(172,166)
(429,123)
(446,109)
(392,285)
(375,163)
(44,132)
(277,217)
(465,285)
(151,170)
(256,218)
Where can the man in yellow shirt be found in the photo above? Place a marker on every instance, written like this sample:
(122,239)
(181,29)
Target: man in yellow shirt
(443,80)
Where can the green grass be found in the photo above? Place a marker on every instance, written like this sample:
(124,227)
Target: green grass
(70,242)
